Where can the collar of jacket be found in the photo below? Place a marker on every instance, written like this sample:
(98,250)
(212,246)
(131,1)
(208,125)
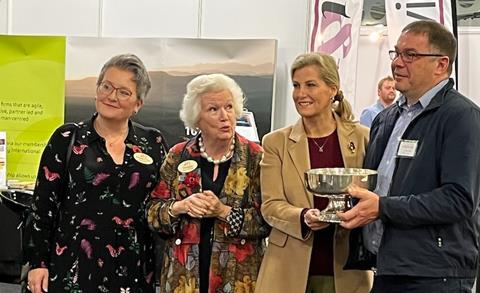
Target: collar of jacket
(438,99)
(344,129)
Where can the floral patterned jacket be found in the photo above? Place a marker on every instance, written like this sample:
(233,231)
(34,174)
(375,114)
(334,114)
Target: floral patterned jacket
(236,257)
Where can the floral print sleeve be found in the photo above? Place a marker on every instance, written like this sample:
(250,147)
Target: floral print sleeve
(163,195)
(246,220)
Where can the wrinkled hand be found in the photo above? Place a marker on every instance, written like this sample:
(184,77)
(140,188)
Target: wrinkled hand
(38,280)
(364,212)
(312,220)
(194,206)
(215,208)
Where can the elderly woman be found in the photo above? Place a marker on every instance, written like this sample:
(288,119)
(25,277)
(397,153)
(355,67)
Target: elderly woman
(305,254)
(89,231)
(208,200)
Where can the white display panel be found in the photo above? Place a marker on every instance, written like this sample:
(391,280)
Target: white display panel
(469,63)
(55,17)
(284,20)
(3,16)
(150,18)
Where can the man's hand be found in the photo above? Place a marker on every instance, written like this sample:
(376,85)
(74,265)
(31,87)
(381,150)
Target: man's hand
(364,212)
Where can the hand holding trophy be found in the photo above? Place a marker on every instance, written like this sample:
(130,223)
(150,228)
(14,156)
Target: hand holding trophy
(332,183)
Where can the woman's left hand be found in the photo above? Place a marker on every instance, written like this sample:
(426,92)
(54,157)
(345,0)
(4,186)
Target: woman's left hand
(312,220)
(215,207)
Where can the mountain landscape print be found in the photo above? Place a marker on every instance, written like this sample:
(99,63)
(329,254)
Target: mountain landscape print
(172,63)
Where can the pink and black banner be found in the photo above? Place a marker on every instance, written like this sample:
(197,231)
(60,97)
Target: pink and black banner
(335,28)
(399,13)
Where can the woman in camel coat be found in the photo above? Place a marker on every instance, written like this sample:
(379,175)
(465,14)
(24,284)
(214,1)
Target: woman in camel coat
(305,254)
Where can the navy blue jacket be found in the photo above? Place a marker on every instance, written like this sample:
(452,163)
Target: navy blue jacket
(431,212)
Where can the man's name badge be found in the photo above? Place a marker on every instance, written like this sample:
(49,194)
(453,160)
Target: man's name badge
(143,158)
(407,148)
(187,166)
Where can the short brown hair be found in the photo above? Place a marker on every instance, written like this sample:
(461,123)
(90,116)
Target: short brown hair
(439,38)
(380,83)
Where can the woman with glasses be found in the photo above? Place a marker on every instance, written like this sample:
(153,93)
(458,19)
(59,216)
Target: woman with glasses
(89,231)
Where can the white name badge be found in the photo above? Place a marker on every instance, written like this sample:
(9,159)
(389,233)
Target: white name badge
(143,158)
(407,148)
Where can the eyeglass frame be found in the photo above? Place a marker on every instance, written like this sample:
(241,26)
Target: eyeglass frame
(114,89)
(411,55)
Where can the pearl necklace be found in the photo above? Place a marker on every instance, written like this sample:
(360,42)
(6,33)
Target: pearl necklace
(224,158)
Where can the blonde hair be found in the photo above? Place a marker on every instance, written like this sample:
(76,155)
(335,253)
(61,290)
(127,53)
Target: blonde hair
(328,73)
(208,83)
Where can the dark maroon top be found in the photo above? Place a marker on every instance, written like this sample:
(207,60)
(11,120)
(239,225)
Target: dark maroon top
(321,262)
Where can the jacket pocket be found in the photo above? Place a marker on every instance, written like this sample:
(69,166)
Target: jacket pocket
(277,238)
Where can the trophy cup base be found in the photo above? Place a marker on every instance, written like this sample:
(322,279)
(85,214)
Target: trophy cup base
(336,203)
(329,218)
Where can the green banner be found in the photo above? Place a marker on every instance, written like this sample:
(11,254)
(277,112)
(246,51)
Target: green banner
(32,78)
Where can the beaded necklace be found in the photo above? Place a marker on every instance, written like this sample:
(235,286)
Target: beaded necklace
(224,158)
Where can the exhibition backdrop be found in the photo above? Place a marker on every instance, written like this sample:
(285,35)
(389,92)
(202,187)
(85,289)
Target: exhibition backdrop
(44,77)
(32,71)
(172,63)
(335,30)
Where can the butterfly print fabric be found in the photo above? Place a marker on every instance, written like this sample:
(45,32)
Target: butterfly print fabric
(89,226)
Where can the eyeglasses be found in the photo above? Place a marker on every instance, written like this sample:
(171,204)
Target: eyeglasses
(410,56)
(105,89)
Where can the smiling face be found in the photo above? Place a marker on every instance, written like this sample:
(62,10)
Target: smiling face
(217,116)
(413,79)
(110,106)
(312,96)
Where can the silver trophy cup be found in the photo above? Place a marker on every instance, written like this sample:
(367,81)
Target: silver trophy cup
(332,183)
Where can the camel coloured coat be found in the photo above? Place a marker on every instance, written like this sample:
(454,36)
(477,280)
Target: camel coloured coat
(286,262)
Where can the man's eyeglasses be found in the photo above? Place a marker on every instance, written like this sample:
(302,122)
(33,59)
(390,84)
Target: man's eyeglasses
(105,89)
(410,56)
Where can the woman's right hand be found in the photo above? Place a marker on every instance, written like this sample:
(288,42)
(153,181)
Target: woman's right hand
(38,280)
(194,206)
(312,220)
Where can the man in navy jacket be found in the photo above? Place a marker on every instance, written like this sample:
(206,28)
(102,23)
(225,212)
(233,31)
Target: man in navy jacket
(421,220)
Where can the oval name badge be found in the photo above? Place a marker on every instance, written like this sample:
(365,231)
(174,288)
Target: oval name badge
(187,166)
(143,158)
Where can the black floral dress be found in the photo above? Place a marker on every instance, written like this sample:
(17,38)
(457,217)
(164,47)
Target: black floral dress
(89,227)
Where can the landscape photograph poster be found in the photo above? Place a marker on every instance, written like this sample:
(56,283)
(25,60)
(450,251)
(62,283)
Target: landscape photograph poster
(32,74)
(172,63)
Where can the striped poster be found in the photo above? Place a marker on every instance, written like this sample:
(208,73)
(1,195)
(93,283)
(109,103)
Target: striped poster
(334,29)
(399,13)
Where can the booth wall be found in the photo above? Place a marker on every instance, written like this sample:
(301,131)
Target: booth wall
(284,20)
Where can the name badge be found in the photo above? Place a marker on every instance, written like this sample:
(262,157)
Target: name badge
(407,148)
(143,158)
(187,166)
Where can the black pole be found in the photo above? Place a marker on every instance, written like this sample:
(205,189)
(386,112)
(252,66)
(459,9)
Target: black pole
(455,33)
